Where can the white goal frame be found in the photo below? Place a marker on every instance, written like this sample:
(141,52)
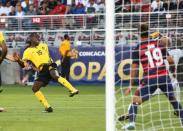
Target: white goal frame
(110,64)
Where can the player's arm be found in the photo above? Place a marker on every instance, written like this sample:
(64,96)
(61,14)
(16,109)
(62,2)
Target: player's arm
(133,71)
(18,59)
(22,63)
(3,46)
(165,41)
(133,74)
(73,54)
(4,50)
(10,58)
(171,64)
(65,50)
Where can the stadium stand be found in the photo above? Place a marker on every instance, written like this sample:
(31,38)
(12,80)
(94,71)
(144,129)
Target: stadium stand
(85,20)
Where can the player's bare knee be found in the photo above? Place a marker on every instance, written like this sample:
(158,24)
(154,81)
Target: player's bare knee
(35,89)
(54,74)
(55,77)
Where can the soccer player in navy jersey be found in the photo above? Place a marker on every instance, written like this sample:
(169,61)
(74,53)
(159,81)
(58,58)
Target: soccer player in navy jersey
(151,54)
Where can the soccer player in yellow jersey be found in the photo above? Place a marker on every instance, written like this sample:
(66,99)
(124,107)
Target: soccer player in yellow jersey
(67,54)
(38,54)
(3,53)
(3,47)
(65,49)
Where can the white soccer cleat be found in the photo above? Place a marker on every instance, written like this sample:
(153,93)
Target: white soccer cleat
(75,92)
(129,126)
(2,109)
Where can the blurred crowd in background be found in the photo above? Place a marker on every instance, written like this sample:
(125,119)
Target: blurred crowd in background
(60,7)
(50,7)
(84,19)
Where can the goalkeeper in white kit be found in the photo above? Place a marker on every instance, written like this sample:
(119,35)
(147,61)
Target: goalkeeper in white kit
(176,54)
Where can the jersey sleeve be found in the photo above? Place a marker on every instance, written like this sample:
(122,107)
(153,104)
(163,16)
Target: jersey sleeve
(1,38)
(135,55)
(26,55)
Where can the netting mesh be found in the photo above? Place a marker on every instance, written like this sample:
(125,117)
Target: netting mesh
(164,18)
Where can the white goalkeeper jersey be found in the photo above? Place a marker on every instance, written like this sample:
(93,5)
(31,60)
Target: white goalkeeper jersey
(176,54)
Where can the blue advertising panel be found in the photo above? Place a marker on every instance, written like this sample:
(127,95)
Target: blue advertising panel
(90,65)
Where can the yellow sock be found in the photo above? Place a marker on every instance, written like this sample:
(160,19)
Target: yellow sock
(42,99)
(64,82)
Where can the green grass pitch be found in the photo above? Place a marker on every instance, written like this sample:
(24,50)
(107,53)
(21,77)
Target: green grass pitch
(153,115)
(84,112)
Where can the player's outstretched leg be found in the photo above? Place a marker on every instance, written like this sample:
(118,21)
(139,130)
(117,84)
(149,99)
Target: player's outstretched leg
(54,74)
(177,108)
(63,81)
(132,116)
(37,85)
(168,90)
(176,88)
(141,95)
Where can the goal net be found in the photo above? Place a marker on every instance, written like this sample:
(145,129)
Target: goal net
(164,18)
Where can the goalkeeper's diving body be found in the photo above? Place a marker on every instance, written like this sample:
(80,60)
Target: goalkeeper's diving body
(38,54)
(151,54)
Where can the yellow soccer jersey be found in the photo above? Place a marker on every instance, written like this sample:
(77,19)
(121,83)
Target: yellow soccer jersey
(64,47)
(38,55)
(1,38)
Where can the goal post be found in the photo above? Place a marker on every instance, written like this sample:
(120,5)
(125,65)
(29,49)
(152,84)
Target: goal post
(110,63)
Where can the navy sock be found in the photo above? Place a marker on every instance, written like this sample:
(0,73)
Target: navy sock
(177,107)
(132,112)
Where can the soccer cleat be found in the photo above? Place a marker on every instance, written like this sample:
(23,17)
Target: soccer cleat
(75,92)
(123,117)
(129,126)
(2,109)
(48,110)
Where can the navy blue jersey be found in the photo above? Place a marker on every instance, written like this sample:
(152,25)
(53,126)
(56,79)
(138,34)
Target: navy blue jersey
(151,55)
